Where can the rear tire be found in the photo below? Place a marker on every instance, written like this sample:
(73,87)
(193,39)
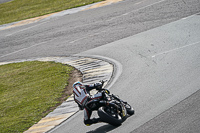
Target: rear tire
(105,117)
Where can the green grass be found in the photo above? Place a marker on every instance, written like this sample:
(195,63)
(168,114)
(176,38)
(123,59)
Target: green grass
(17,10)
(27,91)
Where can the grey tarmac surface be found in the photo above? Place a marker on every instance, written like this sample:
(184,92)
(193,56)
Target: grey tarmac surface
(158,74)
(160,66)
(71,34)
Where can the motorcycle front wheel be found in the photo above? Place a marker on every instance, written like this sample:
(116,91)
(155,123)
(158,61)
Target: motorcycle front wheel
(129,109)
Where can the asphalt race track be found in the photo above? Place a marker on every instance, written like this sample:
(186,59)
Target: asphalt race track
(156,41)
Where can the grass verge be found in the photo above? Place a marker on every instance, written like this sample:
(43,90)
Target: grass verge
(27,92)
(17,10)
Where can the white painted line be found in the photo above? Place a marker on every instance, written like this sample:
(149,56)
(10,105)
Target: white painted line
(127,13)
(90,35)
(175,49)
(79,39)
(139,2)
(25,48)
(25,29)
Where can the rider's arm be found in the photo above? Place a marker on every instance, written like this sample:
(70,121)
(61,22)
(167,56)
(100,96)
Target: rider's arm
(93,86)
(89,87)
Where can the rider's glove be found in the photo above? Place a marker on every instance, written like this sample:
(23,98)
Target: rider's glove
(98,85)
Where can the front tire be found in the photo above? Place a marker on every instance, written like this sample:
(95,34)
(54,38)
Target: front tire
(129,109)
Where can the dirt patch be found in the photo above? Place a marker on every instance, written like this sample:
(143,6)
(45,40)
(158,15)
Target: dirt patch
(75,75)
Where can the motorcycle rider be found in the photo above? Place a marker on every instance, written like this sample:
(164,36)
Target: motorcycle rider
(87,102)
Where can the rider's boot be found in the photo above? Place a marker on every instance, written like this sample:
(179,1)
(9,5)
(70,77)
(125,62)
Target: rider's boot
(92,121)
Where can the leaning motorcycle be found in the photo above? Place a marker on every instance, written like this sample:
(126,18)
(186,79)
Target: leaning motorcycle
(115,111)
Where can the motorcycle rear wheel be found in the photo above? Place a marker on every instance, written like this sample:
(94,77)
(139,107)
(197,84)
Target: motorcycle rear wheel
(115,120)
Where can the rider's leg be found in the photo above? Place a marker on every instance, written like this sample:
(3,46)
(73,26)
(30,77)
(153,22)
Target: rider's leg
(87,115)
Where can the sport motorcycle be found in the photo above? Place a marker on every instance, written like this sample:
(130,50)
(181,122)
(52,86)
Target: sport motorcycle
(115,111)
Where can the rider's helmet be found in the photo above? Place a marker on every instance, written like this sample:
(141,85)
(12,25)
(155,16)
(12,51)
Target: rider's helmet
(77,83)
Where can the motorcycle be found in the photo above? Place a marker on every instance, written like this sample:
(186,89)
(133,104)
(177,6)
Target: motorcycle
(115,111)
